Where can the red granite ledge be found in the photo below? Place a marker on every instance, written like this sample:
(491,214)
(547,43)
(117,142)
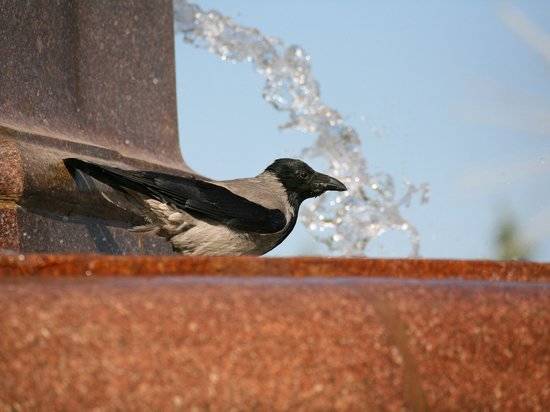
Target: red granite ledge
(107,265)
(106,344)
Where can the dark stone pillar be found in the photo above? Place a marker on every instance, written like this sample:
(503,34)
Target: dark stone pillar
(92,79)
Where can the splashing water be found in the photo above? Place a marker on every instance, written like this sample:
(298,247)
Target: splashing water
(345,222)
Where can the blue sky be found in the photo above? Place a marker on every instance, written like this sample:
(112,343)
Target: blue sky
(456,94)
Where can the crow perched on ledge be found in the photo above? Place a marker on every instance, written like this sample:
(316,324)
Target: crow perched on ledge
(199,217)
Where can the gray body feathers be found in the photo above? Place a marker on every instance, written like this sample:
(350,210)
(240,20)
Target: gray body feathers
(193,236)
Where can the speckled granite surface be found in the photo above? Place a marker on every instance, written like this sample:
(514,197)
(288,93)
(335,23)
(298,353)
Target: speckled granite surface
(234,343)
(321,334)
(90,79)
(99,72)
(103,265)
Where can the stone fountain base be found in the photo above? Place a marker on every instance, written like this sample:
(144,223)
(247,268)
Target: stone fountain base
(83,332)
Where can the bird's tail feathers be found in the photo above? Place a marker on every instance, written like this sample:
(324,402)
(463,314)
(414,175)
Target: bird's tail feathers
(112,176)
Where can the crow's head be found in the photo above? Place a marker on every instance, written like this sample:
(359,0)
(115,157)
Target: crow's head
(301,180)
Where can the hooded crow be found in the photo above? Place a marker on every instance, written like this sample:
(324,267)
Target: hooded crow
(202,217)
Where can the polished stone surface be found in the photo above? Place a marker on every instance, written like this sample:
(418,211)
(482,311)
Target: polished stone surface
(97,71)
(203,343)
(100,265)
(91,79)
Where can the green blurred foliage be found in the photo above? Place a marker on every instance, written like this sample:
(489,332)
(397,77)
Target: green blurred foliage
(509,242)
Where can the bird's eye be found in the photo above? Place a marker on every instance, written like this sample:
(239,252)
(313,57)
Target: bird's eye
(302,174)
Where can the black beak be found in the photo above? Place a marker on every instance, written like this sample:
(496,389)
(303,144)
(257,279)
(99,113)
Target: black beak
(326,182)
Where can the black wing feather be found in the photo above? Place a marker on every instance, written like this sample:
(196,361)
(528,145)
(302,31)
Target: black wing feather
(199,198)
